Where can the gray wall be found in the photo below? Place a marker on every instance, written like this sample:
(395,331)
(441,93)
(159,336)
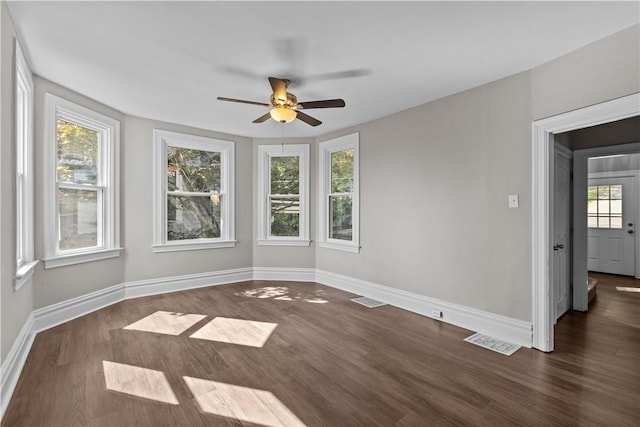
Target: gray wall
(286,256)
(140,261)
(614,133)
(601,71)
(434,182)
(627,162)
(15,307)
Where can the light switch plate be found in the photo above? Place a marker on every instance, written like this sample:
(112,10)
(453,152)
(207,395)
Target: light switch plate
(513,201)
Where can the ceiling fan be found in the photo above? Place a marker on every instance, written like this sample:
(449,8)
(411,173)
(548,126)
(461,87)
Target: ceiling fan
(284,106)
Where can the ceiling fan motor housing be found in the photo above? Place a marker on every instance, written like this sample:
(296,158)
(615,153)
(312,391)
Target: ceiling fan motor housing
(290,102)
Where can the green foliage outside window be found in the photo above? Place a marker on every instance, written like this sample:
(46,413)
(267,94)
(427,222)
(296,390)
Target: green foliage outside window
(340,226)
(193,216)
(285,191)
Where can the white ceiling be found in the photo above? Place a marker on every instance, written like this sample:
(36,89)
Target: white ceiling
(170,60)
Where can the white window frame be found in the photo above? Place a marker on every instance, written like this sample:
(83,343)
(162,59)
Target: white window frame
(25,263)
(326,148)
(107,183)
(163,139)
(265,154)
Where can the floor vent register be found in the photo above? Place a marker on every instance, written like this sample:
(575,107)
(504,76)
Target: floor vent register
(494,344)
(368,302)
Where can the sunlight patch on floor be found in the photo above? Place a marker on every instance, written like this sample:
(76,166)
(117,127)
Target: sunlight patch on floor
(280,293)
(236,331)
(241,403)
(627,289)
(136,381)
(166,322)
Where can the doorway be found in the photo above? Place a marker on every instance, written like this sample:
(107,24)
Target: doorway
(611,220)
(544,309)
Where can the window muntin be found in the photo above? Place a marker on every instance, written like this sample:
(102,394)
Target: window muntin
(24,169)
(194,192)
(338,192)
(283,172)
(604,206)
(81,170)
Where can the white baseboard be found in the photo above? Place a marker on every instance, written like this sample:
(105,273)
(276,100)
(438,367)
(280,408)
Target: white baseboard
(286,274)
(52,315)
(14,362)
(505,328)
(143,288)
(501,327)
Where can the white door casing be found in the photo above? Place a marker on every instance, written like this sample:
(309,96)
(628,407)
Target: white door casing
(612,250)
(562,231)
(542,190)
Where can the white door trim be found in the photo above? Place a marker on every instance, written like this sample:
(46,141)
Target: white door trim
(542,196)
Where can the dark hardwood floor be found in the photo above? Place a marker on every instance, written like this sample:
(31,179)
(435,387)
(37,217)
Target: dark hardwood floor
(328,362)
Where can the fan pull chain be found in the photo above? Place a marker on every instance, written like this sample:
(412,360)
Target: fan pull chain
(282,140)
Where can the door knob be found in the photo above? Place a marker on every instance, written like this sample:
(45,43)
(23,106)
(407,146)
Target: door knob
(630,231)
(558,247)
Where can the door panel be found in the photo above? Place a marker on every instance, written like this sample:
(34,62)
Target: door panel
(562,238)
(611,239)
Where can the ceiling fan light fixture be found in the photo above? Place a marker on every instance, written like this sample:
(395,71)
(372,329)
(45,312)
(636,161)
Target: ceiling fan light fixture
(283,114)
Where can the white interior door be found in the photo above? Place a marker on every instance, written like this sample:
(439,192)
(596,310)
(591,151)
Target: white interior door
(611,217)
(562,228)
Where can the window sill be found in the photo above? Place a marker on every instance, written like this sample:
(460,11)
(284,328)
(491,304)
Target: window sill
(193,246)
(283,242)
(24,273)
(79,258)
(346,247)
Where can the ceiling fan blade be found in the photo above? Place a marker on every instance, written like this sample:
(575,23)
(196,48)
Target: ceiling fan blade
(241,101)
(327,103)
(308,119)
(279,87)
(263,118)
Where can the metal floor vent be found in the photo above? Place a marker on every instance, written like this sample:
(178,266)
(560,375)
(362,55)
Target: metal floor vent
(368,302)
(494,344)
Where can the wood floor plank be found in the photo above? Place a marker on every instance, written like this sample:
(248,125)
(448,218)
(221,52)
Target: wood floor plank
(327,362)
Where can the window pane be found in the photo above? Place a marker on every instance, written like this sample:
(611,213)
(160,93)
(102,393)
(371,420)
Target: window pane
(616,192)
(77,153)
(342,171)
(193,217)
(603,222)
(603,207)
(193,170)
(592,207)
(78,218)
(340,225)
(603,192)
(592,222)
(616,207)
(592,193)
(285,217)
(616,222)
(285,175)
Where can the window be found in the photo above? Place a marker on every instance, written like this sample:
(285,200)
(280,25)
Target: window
(339,194)
(81,198)
(283,191)
(193,197)
(604,206)
(24,169)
